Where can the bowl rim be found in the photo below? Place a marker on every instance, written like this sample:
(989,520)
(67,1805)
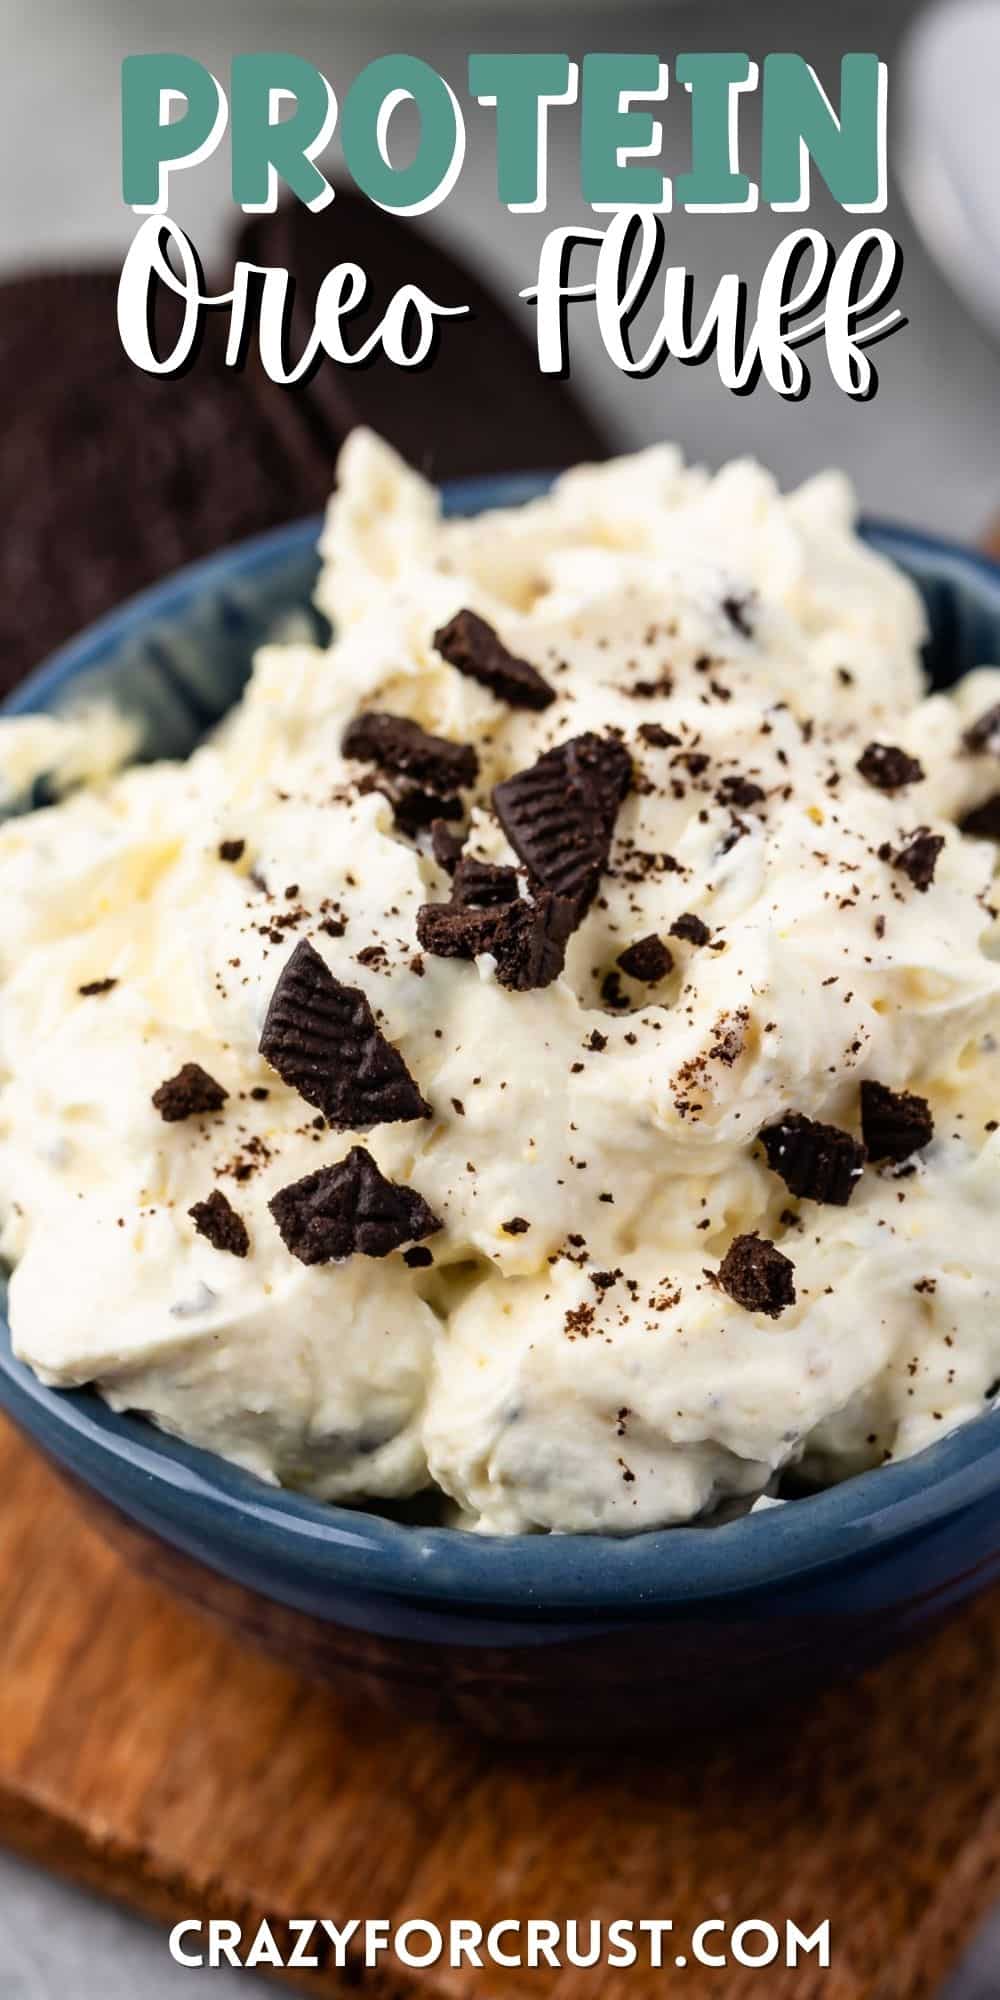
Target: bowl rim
(184,1491)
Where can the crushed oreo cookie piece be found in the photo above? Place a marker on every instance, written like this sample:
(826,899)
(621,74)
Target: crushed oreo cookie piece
(984,820)
(324,1042)
(659,738)
(517,1226)
(189,1093)
(690,928)
(231,850)
(735,790)
(816,1162)
(217,1219)
(888,768)
(447,930)
(337,1211)
(894,1123)
(446,846)
(398,745)
(737,610)
(757,1275)
(984,733)
(559,814)
(470,644)
(527,940)
(647,960)
(918,856)
(414,808)
(482,885)
(92,987)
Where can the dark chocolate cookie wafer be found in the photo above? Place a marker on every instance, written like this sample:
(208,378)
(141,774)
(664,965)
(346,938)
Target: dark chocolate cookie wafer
(692,928)
(559,815)
(481,406)
(895,1123)
(468,643)
(816,1162)
(648,960)
(110,478)
(414,807)
(757,1275)
(481,885)
(351,1207)
(324,1042)
(918,856)
(888,768)
(446,845)
(395,743)
(189,1094)
(217,1219)
(527,940)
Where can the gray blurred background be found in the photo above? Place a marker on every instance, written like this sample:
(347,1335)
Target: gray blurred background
(924,451)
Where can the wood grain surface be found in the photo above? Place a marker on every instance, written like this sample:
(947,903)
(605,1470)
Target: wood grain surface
(143,1753)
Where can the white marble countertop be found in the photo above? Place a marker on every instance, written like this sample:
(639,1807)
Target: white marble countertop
(924,450)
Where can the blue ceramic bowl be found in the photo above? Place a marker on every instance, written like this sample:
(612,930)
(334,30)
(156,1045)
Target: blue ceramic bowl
(540,1636)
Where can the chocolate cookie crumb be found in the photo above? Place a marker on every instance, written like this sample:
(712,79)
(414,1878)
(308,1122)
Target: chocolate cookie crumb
(757,1275)
(559,814)
(216,1219)
(349,1208)
(324,1042)
(414,807)
(95,986)
(648,960)
(531,943)
(690,928)
(888,768)
(231,850)
(895,1123)
(735,790)
(396,744)
(418,1258)
(516,1226)
(446,846)
(470,644)
(188,1093)
(816,1162)
(448,930)
(918,856)
(480,884)
(528,940)
(984,820)
(660,738)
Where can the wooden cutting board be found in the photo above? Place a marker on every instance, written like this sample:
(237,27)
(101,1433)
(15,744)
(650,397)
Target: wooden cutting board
(143,1753)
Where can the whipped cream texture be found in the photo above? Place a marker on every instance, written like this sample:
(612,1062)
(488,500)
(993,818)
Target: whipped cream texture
(618,1307)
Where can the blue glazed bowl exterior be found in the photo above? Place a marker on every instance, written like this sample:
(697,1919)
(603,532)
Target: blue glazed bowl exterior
(534,1637)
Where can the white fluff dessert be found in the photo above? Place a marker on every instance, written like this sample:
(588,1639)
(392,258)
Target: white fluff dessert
(544,1046)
